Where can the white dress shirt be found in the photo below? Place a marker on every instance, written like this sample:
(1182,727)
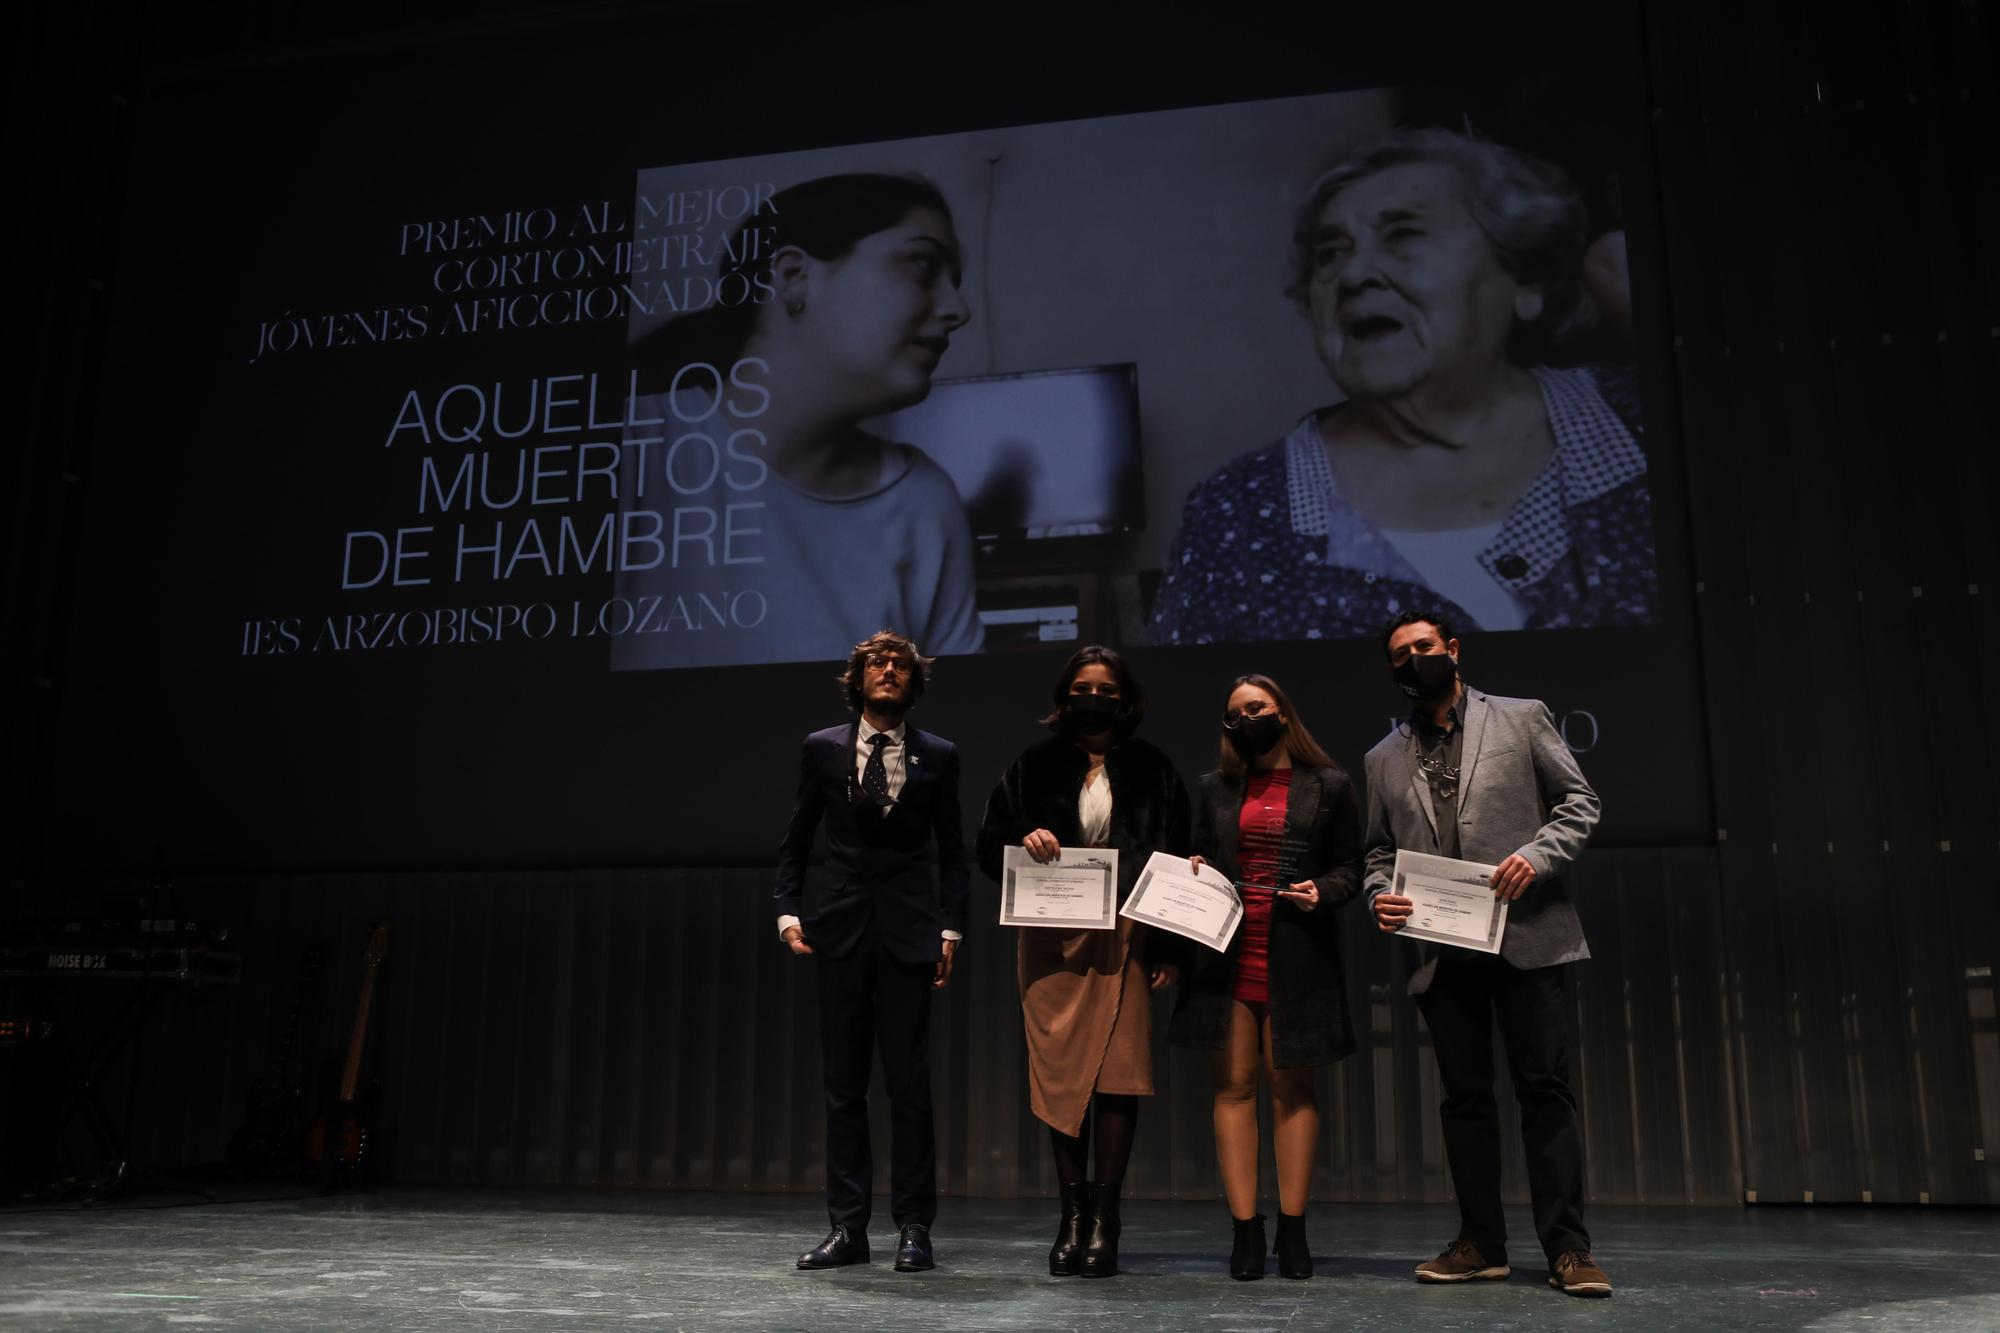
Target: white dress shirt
(1093,810)
(893,763)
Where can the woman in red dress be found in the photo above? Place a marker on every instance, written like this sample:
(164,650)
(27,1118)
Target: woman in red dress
(1281,819)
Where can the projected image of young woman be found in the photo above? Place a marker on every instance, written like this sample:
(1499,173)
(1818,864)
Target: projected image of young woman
(1438,274)
(839,532)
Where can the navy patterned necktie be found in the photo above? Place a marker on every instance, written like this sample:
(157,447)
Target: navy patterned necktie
(875,777)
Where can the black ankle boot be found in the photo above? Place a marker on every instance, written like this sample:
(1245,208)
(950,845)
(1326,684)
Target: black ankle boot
(1066,1255)
(1100,1245)
(1246,1257)
(1294,1258)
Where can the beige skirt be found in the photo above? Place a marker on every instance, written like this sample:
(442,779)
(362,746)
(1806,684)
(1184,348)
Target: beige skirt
(1089,1020)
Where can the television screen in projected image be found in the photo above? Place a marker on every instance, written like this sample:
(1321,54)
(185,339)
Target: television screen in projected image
(1038,457)
(1047,465)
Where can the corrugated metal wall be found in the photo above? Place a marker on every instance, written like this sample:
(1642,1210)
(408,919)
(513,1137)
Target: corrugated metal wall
(644,1029)
(1829,204)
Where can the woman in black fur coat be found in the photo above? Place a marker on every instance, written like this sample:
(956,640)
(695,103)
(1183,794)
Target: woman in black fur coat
(1085,994)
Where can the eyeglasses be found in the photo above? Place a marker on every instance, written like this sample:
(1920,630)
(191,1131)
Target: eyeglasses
(884,663)
(1255,708)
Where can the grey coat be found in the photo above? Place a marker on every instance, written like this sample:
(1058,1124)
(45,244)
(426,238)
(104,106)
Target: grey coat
(1520,791)
(1310,1024)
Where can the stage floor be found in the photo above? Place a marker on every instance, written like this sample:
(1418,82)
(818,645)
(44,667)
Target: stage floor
(491,1259)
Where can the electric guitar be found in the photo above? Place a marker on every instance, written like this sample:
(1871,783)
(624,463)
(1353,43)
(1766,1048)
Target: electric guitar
(338,1141)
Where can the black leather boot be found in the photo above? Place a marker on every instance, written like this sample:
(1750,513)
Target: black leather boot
(1246,1257)
(1066,1255)
(1100,1245)
(1294,1257)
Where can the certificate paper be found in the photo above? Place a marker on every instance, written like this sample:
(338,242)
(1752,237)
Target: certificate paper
(1454,902)
(1076,891)
(1202,905)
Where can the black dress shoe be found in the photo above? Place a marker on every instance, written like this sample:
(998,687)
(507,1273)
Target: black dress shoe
(1246,1256)
(1066,1255)
(1294,1254)
(840,1248)
(1100,1246)
(913,1249)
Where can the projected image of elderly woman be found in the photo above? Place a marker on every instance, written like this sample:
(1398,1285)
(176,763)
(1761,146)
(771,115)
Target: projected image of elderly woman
(1440,277)
(835,531)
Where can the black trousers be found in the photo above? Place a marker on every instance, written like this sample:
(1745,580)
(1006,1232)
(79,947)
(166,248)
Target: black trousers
(869,1001)
(1469,992)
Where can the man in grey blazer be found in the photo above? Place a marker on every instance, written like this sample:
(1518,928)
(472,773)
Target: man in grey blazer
(1488,779)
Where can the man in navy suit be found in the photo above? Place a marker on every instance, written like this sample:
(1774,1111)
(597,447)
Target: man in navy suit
(882,937)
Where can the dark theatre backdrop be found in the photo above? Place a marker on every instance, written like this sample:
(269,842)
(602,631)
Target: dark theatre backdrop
(1791,903)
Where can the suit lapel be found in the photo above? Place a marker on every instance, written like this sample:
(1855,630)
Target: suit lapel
(1226,811)
(847,774)
(917,758)
(1301,808)
(844,772)
(1475,730)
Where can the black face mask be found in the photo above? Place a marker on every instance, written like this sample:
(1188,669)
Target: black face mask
(1427,676)
(1253,737)
(1090,714)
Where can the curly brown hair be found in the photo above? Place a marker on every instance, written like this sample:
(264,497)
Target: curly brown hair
(883,641)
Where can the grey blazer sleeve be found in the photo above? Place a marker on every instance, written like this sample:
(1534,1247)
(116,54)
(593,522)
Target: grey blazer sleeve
(1379,860)
(1573,807)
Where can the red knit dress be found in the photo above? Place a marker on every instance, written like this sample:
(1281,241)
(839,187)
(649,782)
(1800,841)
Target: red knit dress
(1260,828)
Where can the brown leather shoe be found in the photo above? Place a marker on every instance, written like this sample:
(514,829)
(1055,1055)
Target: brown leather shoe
(1575,1273)
(1463,1262)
